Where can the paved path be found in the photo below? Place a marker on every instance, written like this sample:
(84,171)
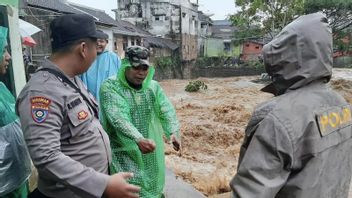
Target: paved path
(176,188)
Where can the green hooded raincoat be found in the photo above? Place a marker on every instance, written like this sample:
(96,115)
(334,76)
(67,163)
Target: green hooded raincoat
(129,115)
(15,165)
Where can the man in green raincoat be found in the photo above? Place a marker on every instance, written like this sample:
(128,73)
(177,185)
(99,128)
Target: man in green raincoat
(136,113)
(15,165)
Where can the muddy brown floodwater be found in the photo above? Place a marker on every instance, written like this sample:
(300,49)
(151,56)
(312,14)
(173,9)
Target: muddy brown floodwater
(212,127)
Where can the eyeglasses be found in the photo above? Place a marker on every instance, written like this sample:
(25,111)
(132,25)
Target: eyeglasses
(141,68)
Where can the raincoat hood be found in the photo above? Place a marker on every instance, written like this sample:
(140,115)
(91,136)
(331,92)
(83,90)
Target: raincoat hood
(3,40)
(300,54)
(122,77)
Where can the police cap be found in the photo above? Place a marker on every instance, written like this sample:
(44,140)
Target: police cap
(72,27)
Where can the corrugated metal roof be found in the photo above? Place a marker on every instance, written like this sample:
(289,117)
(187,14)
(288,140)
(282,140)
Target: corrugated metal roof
(223,29)
(222,22)
(158,42)
(65,7)
(54,5)
(99,14)
(204,18)
(62,6)
(127,28)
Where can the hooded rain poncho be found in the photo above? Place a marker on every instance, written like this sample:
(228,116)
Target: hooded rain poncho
(130,115)
(15,165)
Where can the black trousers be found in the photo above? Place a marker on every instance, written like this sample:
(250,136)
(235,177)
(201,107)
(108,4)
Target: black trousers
(37,194)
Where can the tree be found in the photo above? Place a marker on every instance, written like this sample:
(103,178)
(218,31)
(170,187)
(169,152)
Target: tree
(339,12)
(257,18)
(265,17)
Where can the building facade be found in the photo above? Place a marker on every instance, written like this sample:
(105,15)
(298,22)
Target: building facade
(171,19)
(220,42)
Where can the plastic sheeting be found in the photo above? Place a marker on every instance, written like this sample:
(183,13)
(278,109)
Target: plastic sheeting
(15,164)
(13,3)
(3,40)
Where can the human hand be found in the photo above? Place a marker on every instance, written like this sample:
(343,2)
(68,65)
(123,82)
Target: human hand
(146,145)
(175,142)
(118,187)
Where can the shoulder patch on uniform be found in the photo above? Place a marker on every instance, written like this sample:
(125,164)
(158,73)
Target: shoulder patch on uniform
(334,119)
(40,108)
(82,115)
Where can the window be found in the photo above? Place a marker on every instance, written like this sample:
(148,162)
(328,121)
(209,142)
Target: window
(125,43)
(227,47)
(124,46)
(256,47)
(157,18)
(184,14)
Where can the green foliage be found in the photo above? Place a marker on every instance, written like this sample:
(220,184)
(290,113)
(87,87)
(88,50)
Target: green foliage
(164,62)
(267,17)
(339,12)
(220,61)
(254,64)
(343,40)
(194,86)
(257,17)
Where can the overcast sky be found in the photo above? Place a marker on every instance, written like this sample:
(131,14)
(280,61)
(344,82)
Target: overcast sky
(220,8)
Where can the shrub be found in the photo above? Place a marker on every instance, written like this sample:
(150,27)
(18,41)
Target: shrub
(164,62)
(194,86)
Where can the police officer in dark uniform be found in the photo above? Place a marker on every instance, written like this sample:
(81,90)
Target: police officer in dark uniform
(60,122)
(298,144)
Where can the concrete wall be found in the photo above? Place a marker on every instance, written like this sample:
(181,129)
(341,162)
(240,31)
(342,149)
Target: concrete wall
(161,16)
(189,47)
(225,72)
(118,39)
(189,21)
(215,47)
(343,61)
(174,19)
(189,71)
(182,71)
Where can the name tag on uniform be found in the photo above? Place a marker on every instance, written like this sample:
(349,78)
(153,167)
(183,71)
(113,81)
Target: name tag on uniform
(74,103)
(334,119)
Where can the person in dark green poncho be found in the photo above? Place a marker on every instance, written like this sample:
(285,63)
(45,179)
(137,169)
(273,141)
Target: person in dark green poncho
(15,165)
(136,113)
